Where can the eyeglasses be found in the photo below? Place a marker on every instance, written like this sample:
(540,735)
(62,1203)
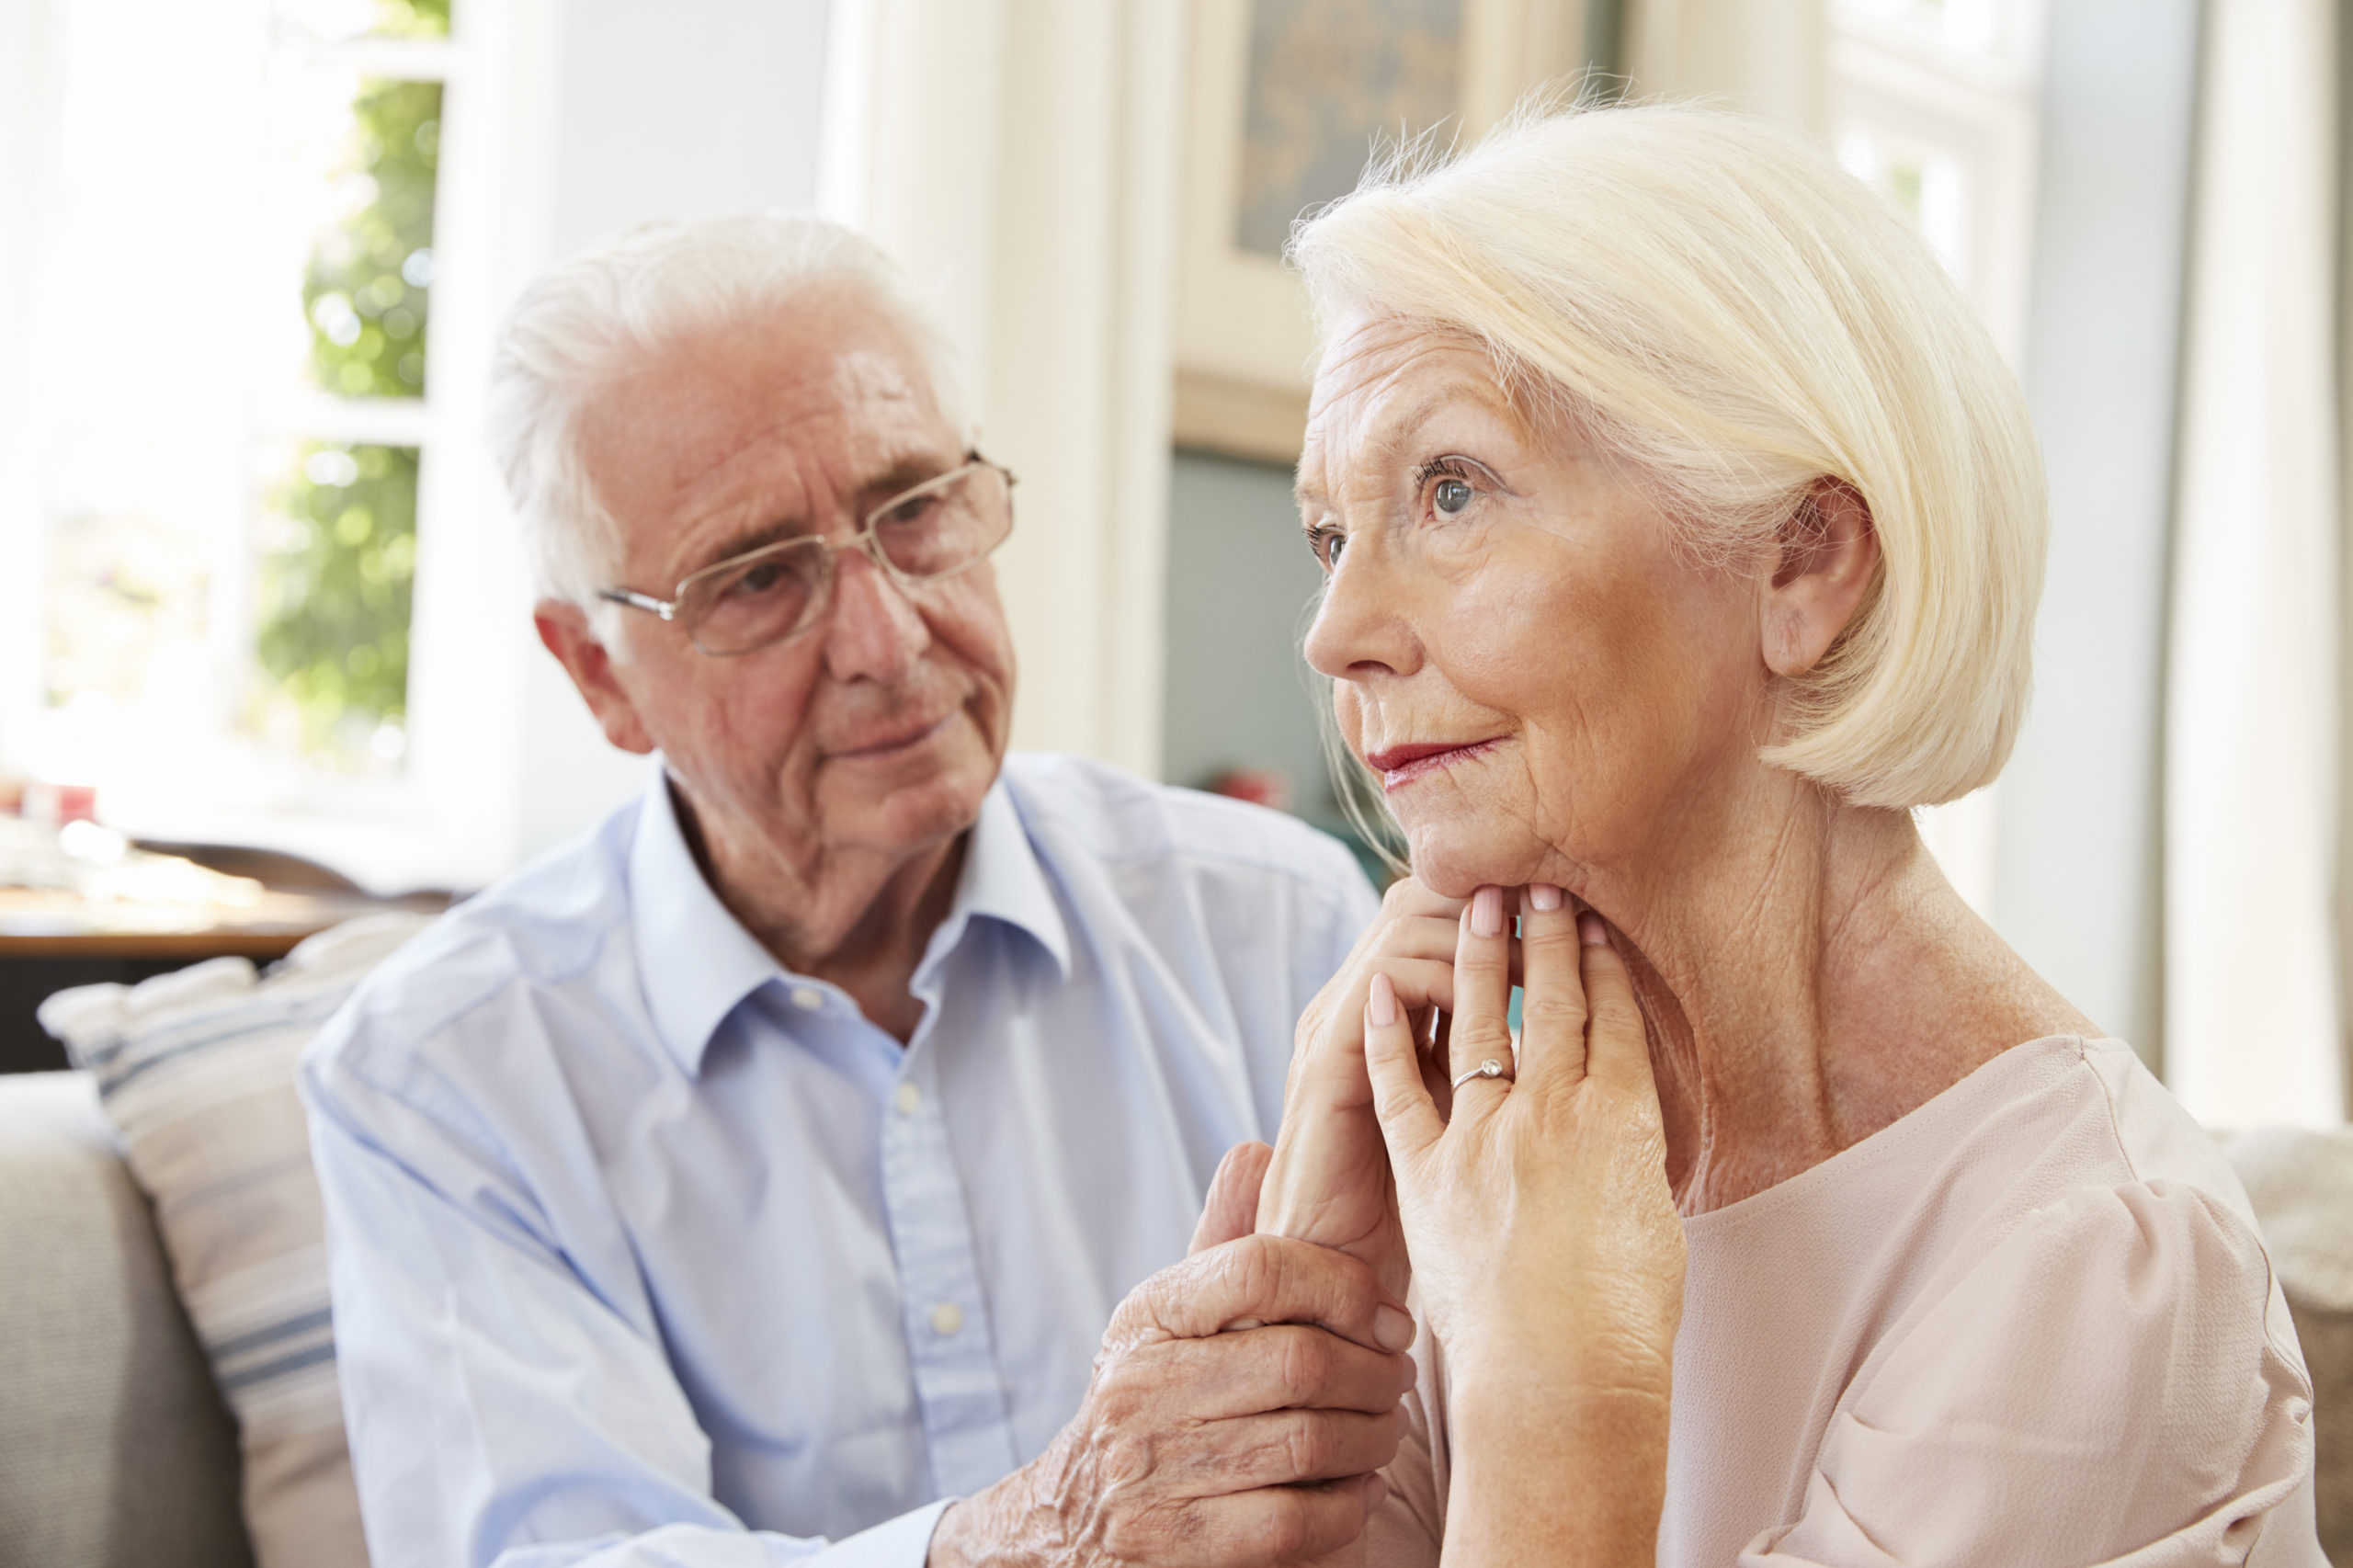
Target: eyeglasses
(940,528)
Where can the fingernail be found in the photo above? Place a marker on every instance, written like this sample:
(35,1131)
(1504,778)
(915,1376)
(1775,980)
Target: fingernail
(1376,1490)
(1591,931)
(1543,896)
(1393,1328)
(1487,912)
(1380,1007)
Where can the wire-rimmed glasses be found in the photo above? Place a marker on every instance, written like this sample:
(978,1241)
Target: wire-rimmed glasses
(747,602)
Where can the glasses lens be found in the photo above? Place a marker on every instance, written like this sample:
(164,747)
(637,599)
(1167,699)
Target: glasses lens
(760,599)
(947,525)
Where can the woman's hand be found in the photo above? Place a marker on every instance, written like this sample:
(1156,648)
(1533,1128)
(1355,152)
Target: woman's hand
(1329,1182)
(1546,1247)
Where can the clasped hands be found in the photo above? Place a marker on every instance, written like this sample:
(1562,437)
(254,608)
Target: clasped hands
(1246,1398)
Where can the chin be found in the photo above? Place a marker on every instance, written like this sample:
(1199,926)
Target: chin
(1456,859)
(927,804)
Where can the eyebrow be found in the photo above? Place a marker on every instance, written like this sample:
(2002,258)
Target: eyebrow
(1398,433)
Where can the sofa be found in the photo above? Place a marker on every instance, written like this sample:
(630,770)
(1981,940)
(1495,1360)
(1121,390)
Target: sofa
(170,1175)
(116,1449)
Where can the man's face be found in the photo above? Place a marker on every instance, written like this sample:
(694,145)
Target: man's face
(876,731)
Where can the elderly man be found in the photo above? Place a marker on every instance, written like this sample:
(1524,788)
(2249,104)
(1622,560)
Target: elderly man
(750,1179)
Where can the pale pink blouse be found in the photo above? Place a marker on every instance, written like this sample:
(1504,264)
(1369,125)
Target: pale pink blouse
(2029,1324)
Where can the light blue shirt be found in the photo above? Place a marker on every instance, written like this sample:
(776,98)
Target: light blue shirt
(646,1250)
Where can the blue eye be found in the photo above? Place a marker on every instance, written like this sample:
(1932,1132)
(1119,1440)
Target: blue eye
(1450,497)
(1327,545)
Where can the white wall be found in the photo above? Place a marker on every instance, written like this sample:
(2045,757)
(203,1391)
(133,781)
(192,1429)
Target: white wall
(685,109)
(30,86)
(1021,159)
(2077,881)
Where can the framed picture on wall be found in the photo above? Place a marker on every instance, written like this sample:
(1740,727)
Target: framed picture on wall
(1287,100)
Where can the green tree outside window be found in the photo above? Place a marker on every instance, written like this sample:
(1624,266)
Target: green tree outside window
(370,280)
(339,555)
(335,595)
(412,19)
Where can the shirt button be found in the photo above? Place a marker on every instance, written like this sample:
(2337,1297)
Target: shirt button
(907,1098)
(808,998)
(946,1318)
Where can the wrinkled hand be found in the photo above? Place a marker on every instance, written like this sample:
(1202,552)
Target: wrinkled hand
(1329,1182)
(1547,1250)
(1239,1405)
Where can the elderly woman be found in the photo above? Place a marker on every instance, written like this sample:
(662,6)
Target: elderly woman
(1683,531)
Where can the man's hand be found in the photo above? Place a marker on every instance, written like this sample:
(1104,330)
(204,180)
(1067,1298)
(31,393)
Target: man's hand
(1205,1442)
(1330,1181)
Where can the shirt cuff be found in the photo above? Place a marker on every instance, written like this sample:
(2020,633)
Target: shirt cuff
(903,1542)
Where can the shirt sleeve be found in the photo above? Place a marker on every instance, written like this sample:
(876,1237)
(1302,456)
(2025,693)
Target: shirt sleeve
(500,1412)
(2115,1383)
(1407,1528)
(1347,907)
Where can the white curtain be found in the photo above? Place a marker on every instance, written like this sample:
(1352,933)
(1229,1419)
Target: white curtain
(1022,158)
(2251,1011)
(1766,56)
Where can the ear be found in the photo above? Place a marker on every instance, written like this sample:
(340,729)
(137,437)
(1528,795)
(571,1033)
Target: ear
(1829,557)
(565,633)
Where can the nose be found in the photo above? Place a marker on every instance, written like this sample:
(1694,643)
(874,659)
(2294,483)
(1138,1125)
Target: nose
(871,631)
(1361,629)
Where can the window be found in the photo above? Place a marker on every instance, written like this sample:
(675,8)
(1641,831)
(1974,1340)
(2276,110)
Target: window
(225,479)
(1936,103)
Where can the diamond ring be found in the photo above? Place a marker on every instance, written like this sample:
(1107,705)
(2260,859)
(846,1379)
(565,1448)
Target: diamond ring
(1490,1068)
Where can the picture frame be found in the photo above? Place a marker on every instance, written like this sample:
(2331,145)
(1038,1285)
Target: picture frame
(1243,339)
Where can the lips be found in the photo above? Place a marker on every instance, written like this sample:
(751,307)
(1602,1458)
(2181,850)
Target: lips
(900,739)
(1399,766)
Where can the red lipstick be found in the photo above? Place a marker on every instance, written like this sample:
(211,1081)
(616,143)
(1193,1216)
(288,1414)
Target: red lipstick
(1399,766)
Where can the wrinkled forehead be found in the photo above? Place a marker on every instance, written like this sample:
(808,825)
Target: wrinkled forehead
(824,364)
(1382,379)
(794,409)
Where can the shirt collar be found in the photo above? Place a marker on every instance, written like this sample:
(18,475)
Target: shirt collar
(694,957)
(697,962)
(1001,880)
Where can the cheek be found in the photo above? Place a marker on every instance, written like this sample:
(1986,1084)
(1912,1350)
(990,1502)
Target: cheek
(1347,711)
(1618,676)
(968,619)
(745,713)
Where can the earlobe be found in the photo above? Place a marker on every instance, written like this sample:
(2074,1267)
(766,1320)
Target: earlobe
(1829,559)
(564,631)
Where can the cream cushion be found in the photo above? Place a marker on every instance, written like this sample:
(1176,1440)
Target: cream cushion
(115,1449)
(196,1070)
(2301,1182)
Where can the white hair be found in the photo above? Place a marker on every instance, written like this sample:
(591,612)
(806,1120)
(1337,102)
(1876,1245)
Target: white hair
(1723,311)
(580,324)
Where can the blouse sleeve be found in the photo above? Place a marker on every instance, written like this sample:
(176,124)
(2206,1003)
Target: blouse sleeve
(2116,1384)
(1405,1530)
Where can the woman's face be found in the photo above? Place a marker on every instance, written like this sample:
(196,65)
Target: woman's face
(1543,682)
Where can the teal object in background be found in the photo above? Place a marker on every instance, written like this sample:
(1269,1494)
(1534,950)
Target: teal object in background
(1241,589)
(1240,585)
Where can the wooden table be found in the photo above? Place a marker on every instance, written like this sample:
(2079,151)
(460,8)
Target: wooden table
(51,938)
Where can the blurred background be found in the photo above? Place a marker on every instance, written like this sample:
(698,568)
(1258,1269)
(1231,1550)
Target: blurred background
(264,620)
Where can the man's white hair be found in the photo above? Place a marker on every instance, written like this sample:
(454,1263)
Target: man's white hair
(1715,303)
(599,315)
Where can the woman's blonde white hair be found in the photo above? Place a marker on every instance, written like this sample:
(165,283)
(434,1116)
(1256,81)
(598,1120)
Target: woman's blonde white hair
(1716,305)
(586,320)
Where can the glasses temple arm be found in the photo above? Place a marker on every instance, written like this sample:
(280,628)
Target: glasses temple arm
(666,609)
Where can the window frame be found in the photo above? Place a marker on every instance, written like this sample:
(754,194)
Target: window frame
(1893,67)
(450,815)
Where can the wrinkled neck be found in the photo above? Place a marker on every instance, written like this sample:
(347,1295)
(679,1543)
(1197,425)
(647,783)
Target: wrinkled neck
(860,920)
(1807,976)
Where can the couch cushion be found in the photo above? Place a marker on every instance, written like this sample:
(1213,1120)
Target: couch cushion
(2301,1183)
(196,1070)
(115,1449)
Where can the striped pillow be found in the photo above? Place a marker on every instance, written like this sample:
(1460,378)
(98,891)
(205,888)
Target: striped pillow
(196,1070)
